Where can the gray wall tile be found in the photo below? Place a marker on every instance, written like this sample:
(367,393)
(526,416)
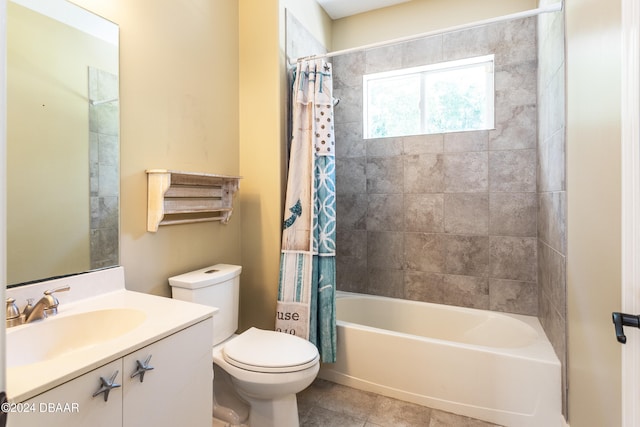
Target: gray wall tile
(466,43)
(384,147)
(512,171)
(350,142)
(352,244)
(513,214)
(466,291)
(349,109)
(348,69)
(424,51)
(466,172)
(516,85)
(382,59)
(515,127)
(424,252)
(423,286)
(385,212)
(466,141)
(466,213)
(351,175)
(513,297)
(513,258)
(467,255)
(552,223)
(424,212)
(463,291)
(513,41)
(552,277)
(386,282)
(385,249)
(384,174)
(420,144)
(551,163)
(424,173)
(552,111)
(352,211)
(351,274)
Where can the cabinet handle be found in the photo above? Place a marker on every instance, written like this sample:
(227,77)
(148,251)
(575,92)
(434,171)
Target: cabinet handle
(107,385)
(142,367)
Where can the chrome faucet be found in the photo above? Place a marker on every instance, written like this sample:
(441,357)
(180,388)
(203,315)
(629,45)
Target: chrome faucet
(47,306)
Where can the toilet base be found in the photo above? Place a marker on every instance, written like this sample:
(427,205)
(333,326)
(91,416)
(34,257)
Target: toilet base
(216,422)
(228,405)
(278,412)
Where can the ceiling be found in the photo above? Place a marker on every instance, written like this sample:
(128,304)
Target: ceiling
(337,9)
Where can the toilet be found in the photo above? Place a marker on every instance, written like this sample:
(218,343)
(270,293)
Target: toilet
(256,373)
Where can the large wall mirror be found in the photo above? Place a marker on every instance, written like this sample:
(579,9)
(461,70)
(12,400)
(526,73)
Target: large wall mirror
(62,140)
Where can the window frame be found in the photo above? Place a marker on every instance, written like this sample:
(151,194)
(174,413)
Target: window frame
(423,71)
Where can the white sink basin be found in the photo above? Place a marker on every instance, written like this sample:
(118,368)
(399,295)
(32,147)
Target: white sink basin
(56,336)
(99,322)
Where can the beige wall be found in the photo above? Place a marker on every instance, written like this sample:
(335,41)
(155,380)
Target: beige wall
(594,195)
(261,159)
(179,110)
(262,146)
(418,16)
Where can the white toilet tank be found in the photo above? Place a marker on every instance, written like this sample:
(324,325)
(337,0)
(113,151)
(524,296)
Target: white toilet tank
(215,286)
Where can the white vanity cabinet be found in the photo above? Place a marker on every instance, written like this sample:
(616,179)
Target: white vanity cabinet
(77,397)
(177,391)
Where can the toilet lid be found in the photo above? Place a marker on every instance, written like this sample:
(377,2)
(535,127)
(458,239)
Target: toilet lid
(269,351)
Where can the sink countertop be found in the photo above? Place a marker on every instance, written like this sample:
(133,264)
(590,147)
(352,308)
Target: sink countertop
(164,316)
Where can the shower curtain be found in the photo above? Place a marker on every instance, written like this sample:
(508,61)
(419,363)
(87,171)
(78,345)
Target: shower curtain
(306,292)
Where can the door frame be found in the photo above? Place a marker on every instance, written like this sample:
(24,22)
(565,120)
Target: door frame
(3,233)
(630,126)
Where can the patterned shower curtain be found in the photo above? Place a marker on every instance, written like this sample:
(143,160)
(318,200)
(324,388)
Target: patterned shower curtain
(306,293)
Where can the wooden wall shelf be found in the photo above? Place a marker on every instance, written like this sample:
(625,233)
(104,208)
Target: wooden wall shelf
(176,197)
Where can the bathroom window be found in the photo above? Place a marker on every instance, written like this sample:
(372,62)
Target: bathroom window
(450,96)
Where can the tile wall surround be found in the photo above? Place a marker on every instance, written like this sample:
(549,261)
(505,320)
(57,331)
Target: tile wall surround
(445,218)
(476,219)
(104,168)
(552,227)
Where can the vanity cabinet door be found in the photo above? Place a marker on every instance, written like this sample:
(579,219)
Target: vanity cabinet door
(169,383)
(73,404)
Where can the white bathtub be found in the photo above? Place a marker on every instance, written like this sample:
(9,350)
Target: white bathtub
(491,366)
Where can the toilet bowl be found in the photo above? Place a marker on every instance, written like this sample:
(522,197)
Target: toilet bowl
(267,369)
(256,373)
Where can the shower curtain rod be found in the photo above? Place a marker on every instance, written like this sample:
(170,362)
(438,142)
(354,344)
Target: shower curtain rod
(556,7)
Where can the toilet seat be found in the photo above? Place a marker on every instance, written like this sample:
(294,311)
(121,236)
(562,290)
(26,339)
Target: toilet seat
(259,350)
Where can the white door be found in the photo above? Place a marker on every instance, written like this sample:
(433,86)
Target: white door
(3,118)
(631,207)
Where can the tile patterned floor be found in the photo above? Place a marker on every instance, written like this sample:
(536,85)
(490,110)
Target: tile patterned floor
(326,404)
